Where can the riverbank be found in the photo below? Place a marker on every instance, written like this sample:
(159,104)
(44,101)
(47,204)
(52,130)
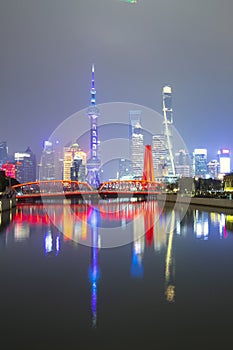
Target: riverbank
(7,203)
(197,201)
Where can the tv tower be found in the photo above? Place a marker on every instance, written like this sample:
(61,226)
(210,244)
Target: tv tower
(168,125)
(93,163)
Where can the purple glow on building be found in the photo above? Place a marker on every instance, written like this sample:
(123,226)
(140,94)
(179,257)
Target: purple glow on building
(93,163)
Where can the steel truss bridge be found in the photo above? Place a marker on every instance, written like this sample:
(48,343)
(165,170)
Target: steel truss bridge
(63,189)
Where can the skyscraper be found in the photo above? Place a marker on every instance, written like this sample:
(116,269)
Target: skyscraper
(182,163)
(124,168)
(213,168)
(93,163)
(25,166)
(168,127)
(159,152)
(3,152)
(137,149)
(200,162)
(47,167)
(135,117)
(74,163)
(224,161)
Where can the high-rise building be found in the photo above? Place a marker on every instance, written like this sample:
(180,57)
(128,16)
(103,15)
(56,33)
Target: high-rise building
(3,152)
(74,163)
(213,169)
(137,149)
(224,157)
(93,163)
(47,166)
(25,166)
(168,127)
(182,163)
(159,153)
(135,118)
(200,162)
(124,169)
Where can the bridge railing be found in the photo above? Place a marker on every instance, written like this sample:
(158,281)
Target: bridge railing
(51,186)
(132,186)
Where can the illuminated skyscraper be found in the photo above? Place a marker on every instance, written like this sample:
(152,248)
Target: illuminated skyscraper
(159,152)
(135,118)
(137,151)
(124,168)
(213,168)
(200,162)
(74,163)
(47,166)
(3,152)
(93,163)
(224,161)
(168,127)
(182,163)
(25,166)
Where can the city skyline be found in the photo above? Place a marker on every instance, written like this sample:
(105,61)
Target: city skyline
(39,91)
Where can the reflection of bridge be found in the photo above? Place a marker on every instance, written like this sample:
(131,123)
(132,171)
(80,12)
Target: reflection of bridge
(74,189)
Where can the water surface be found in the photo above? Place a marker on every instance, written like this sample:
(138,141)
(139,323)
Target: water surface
(171,286)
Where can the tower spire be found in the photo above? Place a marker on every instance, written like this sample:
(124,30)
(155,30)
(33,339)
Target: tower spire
(93,163)
(93,90)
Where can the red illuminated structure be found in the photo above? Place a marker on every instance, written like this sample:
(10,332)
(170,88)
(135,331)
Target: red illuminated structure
(148,169)
(9,169)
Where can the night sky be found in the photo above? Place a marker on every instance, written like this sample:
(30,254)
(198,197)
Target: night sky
(48,46)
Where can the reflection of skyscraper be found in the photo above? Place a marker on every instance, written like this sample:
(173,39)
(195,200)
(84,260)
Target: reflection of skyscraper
(94,269)
(137,269)
(201,224)
(170,263)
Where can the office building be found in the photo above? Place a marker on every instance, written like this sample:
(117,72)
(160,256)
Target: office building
(3,152)
(74,163)
(25,165)
(213,169)
(224,158)
(137,152)
(124,169)
(183,163)
(47,166)
(159,153)
(200,162)
(168,127)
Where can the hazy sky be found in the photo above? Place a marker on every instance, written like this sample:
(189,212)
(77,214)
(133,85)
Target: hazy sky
(48,46)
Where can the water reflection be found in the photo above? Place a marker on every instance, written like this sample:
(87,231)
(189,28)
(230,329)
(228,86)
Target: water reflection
(84,223)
